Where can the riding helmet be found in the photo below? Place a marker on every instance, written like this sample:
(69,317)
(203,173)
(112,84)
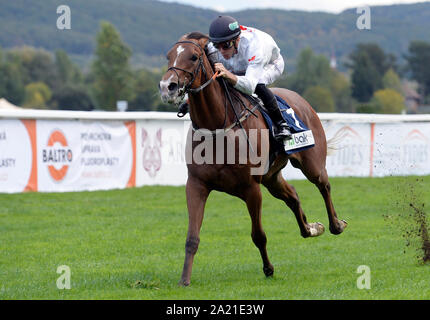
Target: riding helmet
(223,28)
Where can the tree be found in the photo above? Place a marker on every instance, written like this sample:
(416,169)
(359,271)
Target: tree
(34,65)
(368,107)
(68,73)
(341,92)
(72,97)
(320,99)
(419,62)
(11,84)
(365,78)
(369,63)
(23,66)
(70,92)
(388,101)
(37,95)
(312,70)
(111,69)
(392,81)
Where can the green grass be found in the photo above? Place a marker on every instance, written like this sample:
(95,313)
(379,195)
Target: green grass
(129,244)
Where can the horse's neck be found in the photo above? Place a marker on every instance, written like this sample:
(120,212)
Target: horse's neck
(207,108)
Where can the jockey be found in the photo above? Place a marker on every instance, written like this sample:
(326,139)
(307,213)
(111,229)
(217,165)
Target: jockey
(250,60)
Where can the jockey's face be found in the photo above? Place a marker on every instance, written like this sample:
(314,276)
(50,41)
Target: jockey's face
(228,48)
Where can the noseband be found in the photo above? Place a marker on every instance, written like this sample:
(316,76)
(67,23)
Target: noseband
(187,88)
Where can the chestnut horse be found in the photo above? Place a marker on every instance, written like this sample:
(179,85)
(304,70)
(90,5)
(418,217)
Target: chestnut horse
(190,71)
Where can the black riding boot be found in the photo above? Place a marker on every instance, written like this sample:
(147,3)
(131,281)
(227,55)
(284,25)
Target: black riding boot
(182,109)
(282,130)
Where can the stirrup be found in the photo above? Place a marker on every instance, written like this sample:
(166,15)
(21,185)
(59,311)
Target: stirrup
(283,132)
(180,114)
(183,110)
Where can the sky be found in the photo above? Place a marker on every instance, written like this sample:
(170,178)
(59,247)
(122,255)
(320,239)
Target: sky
(333,6)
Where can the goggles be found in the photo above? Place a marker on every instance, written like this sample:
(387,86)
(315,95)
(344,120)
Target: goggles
(224,45)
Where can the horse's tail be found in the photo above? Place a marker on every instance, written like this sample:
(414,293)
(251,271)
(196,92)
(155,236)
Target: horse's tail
(333,144)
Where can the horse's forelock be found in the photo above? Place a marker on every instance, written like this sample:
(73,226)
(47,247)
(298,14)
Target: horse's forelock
(202,39)
(196,35)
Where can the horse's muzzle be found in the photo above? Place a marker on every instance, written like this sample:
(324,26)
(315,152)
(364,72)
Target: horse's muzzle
(169,91)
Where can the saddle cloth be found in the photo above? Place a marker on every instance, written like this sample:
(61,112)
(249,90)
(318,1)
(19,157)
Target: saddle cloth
(302,136)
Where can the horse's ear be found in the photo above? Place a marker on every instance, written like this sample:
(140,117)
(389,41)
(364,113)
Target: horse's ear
(203,42)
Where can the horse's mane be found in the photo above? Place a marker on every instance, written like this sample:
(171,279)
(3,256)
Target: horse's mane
(196,35)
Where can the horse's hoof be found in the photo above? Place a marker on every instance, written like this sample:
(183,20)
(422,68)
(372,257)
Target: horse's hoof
(342,224)
(183,283)
(316,229)
(268,271)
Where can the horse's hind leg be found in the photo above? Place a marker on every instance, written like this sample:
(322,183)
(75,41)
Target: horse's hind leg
(197,194)
(280,189)
(253,201)
(317,174)
(336,226)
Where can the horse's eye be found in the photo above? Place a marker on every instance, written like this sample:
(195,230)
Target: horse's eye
(194,57)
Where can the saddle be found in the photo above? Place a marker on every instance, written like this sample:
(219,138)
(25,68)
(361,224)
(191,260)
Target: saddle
(302,136)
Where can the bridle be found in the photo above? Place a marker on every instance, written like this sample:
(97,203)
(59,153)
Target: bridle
(187,87)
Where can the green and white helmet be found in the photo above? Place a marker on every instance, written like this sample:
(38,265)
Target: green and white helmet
(224,28)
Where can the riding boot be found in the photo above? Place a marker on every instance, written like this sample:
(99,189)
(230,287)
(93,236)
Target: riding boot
(182,109)
(283,130)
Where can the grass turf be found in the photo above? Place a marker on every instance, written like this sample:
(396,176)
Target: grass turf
(129,244)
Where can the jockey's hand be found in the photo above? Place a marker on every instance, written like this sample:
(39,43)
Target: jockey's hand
(223,72)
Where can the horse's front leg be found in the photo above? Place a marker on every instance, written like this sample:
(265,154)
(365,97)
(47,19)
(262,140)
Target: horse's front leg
(197,194)
(253,199)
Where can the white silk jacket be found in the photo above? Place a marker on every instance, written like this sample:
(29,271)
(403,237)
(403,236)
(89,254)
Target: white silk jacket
(258,60)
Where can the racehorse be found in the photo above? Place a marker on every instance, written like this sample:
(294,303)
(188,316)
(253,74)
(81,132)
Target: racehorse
(190,71)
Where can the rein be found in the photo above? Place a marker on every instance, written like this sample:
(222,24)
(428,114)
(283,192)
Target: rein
(197,90)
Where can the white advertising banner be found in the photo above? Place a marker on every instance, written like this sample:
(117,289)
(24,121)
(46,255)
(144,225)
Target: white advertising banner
(291,173)
(17,169)
(54,152)
(161,152)
(401,149)
(85,155)
(352,153)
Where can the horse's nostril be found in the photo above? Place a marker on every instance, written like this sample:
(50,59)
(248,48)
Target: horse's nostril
(173,86)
